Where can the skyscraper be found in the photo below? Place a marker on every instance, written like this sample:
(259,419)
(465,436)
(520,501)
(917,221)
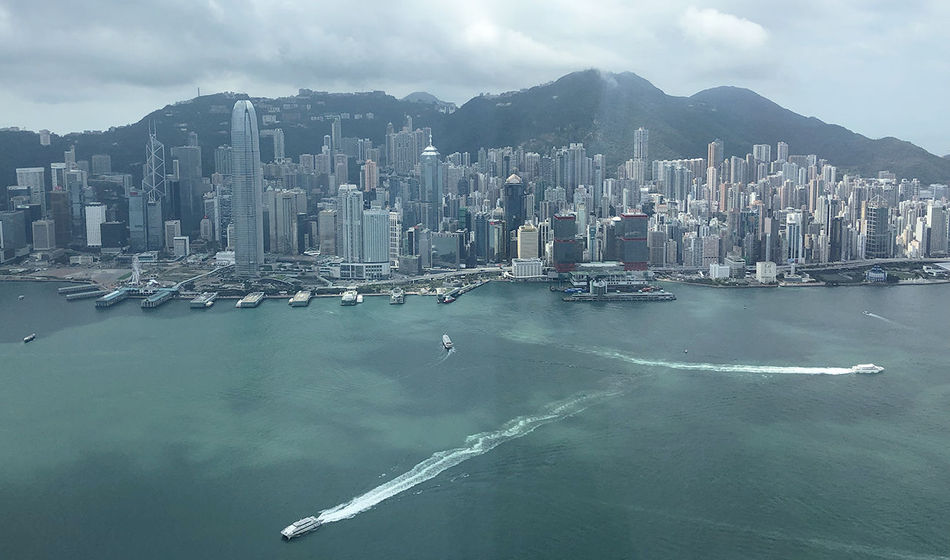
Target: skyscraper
(247,186)
(781,152)
(514,203)
(641,143)
(431,188)
(349,224)
(715,153)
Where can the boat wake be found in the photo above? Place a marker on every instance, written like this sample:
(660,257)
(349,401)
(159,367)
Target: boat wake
(731,368)
(475,445)
(885,319)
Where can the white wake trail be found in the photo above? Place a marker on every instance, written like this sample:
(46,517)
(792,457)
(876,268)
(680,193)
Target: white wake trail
(475,445)
(732,368)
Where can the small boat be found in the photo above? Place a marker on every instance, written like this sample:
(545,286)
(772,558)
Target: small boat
(359,298)
(29,338)
(301,527)
(866,312)
(686,350)
(447,299)
(21,297)
(447,342)
(866,368)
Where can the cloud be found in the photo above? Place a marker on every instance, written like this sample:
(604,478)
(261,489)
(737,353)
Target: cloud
(712,27)
(113,61)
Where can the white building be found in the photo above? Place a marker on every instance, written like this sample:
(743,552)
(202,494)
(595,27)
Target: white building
(526,268)
(765,272)
(718,271)
(95,217)
(349,224)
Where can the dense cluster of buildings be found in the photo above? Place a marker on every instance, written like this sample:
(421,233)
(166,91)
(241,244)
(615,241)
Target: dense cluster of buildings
(369,210)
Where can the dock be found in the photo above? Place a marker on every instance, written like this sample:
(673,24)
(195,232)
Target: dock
(158,298)
(622,296)
(452,295)
(112,298)
(77,289)
(204,300)
(301,298)
(85,295)
(252,299)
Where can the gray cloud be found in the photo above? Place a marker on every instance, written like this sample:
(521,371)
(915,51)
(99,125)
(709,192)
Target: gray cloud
(876,67)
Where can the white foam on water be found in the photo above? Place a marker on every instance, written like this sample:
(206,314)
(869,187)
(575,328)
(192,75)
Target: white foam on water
(731,368)
(475,445)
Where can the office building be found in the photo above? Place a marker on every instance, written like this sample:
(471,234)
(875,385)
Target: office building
(247,188)
(95,217)
(44,235)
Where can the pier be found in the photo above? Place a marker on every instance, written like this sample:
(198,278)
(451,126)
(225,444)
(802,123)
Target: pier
(112,298)
(158,298)
(66,290)
(452,295)
(85,294)
(621,296)
(252,299)
(301,299)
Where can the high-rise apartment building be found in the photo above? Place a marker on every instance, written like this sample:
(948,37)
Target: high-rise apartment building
(349,219)
(715,153)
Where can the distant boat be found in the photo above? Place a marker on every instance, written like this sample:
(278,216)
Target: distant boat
(29,338)
(866,368)
(446,299)
(21,296)
(866,312)
(397,296)
(447,342)
(359,298)
(686,351)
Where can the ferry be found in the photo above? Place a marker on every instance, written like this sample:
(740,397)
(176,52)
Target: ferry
(446,299)
(29,338)
(349,298)
(397,296)
(204,300)
(447,342)
(301,527)
(866,368)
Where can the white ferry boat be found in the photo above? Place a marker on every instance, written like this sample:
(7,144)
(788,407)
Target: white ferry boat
(301,527)
(866,368)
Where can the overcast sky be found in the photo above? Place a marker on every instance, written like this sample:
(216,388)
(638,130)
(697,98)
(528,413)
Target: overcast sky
(880,68)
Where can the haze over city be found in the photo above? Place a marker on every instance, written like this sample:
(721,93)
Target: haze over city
(880,72)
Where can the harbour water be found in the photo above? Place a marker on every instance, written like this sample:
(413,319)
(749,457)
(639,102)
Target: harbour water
(552,430)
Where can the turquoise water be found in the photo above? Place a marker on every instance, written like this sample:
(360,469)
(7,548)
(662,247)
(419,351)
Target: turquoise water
(175,433)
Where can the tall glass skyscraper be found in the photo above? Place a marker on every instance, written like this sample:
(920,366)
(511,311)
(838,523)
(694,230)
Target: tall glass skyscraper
(247,191)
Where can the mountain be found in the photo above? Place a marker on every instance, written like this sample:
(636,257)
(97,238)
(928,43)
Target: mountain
(600,109)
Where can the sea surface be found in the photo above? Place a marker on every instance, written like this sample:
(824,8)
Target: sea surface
(722,425)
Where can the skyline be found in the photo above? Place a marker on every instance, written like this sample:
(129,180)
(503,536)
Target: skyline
(840,64)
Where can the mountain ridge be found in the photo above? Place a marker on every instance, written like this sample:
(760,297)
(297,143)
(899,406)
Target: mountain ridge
(600,109)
